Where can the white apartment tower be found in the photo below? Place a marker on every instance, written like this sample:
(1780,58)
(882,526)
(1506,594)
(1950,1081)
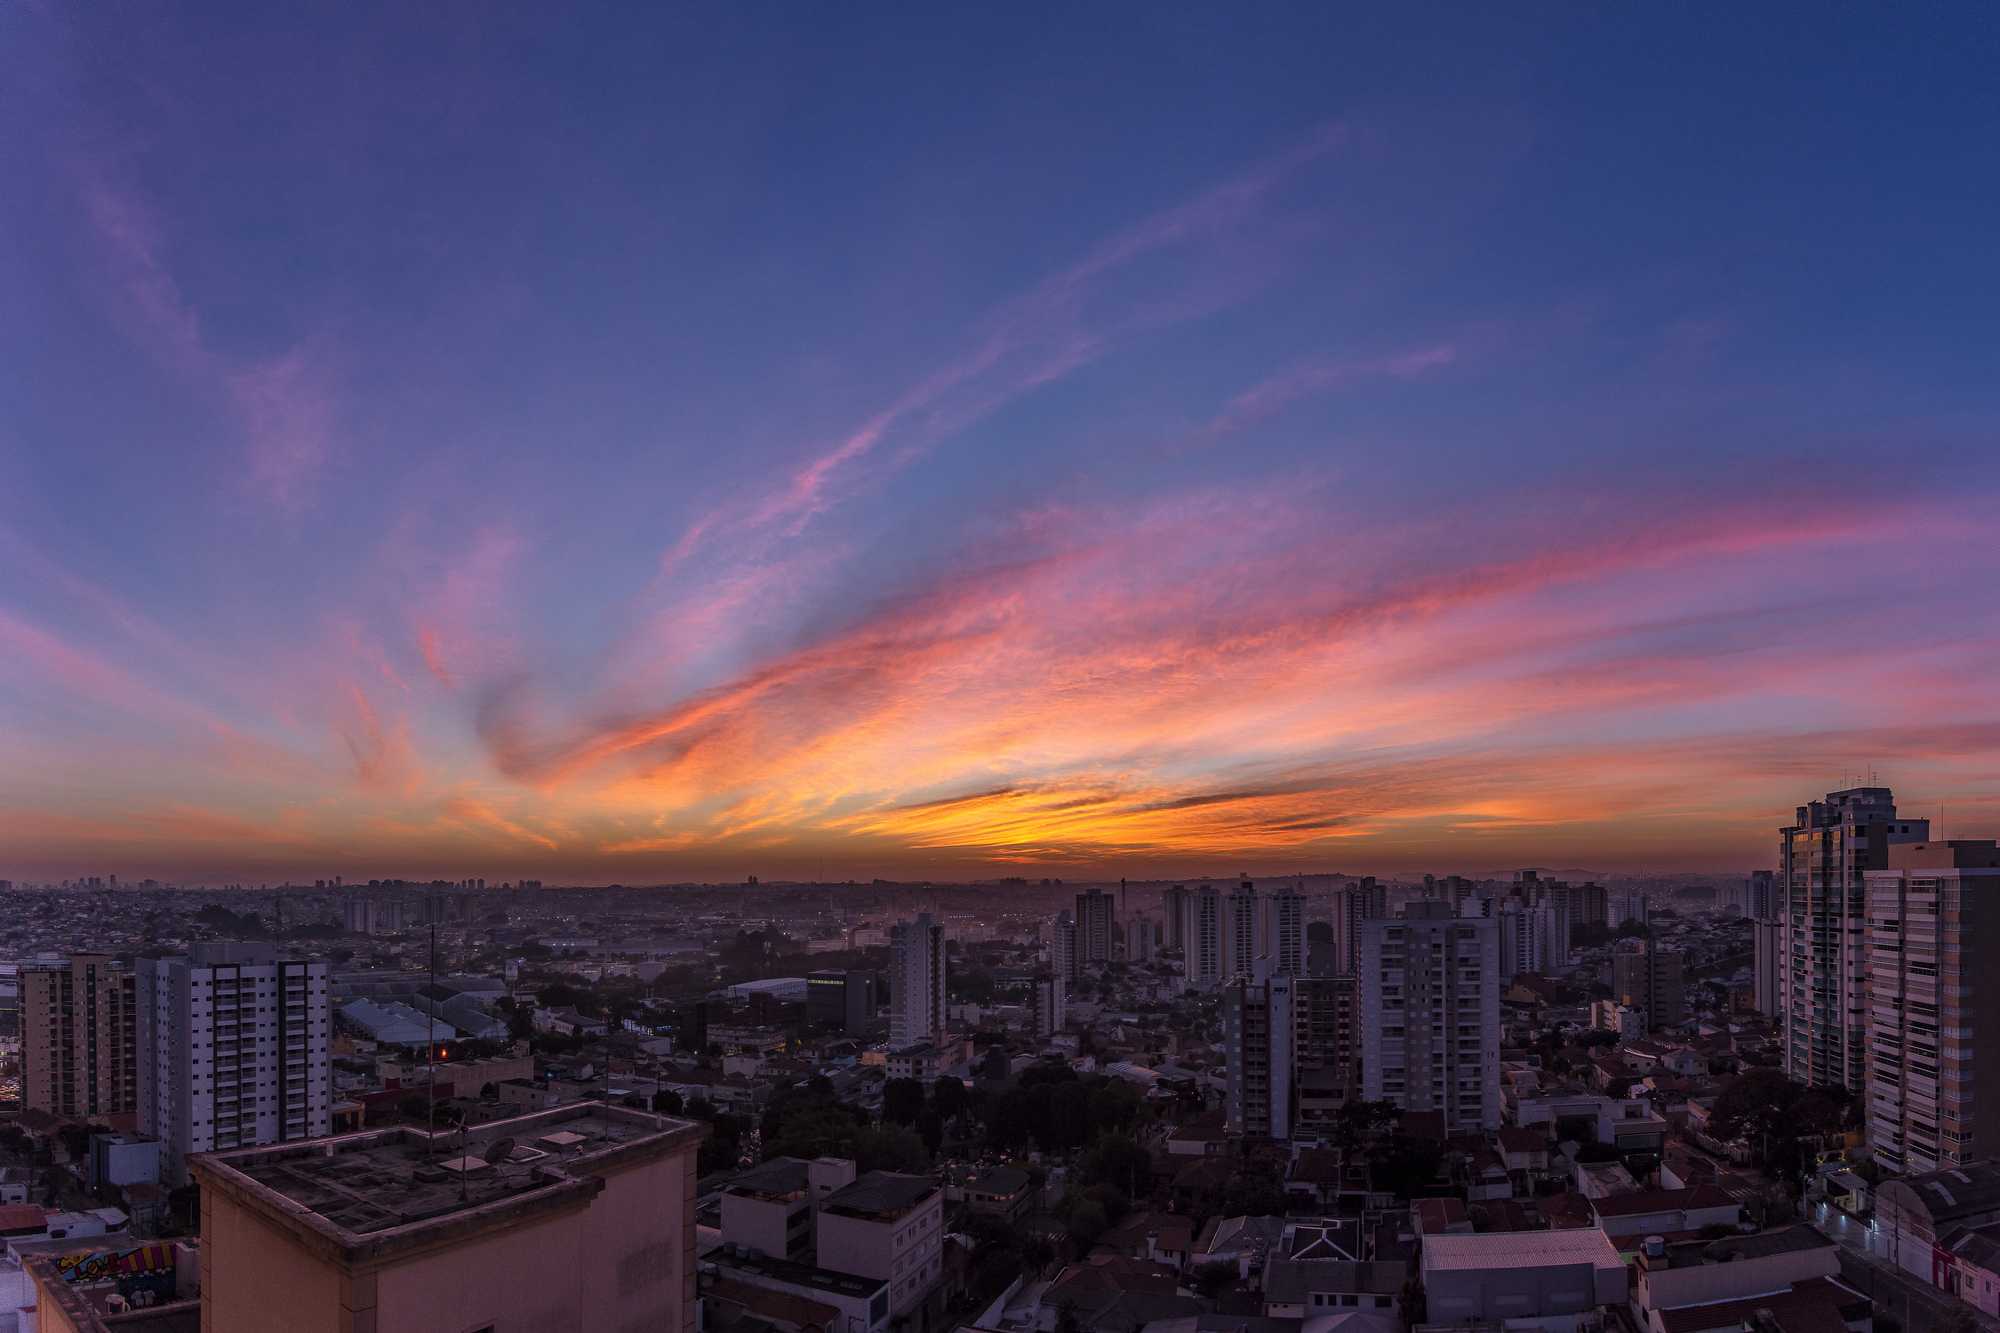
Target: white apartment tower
(1285,921)
(1933,926)
(1244,937)
(1430,1014)
(916,1014)
(1820,889)
(1204,937)
(233,1051)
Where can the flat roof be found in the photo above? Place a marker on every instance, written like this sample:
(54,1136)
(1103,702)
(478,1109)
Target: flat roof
(1521,1249)
(376,1191)
(879,1194)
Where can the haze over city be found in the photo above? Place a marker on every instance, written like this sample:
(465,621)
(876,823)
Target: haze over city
(638,447)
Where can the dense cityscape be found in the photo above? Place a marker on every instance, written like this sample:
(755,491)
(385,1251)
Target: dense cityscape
(1668,1103)
(1302,667)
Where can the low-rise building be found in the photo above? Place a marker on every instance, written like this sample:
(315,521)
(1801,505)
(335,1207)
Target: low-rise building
(1693,1287)
(890,1226)
(1556,1281)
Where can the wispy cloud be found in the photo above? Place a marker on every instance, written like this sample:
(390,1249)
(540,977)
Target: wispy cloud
(281,404)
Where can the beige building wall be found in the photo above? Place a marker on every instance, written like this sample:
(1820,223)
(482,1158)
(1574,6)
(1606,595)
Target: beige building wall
(622,1261)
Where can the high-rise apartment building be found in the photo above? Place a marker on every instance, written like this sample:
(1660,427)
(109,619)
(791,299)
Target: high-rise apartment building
(1759,895)
(1142,939)
(1063,946)
(1243,934)
(1285,931)
(1529,937)
(1204,937)
(235,1051)
(916,1009)
(80,1038)
(1355,904)
(1652,979)
(1257,1035)
(1051,1002)
(1590,904)
(1933,924)
(1767,965)
(1430,1014)
(1174,916)
(1096,927)
(1821,889)
(1326,1050)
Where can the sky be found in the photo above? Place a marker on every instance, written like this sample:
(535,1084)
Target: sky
(638,444)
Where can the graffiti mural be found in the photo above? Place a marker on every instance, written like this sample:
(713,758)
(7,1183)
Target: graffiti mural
(103,1265)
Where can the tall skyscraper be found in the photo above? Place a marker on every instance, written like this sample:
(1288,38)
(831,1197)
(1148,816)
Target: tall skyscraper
(1363,901)
(916,1009)
(1646,977)
(1174,913)
(1063,947)
(1933,926)
(1326,1050)
(1096,927)
(1243,936)
(1767,965)
(1759,894)
(1430,1014)
(1285,930)
(1142,939)
(1823,860)
(80,1038)
(1258,1035)
(235,1050)
(1204,937)
(1051,1002)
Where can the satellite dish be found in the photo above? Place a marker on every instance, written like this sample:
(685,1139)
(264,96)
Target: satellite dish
(500,1150)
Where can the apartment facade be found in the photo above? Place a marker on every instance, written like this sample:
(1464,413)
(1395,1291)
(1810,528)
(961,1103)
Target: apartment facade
(80,1038)
(889,1226)
(1096,927)
(1820,891)
(916,1011)
(1291,1044)
(1285,922)
(1204,937)
(236,1051)
(1430,1014)
(1652,980)
(1933,923)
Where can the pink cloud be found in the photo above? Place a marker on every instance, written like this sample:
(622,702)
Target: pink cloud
(281,404)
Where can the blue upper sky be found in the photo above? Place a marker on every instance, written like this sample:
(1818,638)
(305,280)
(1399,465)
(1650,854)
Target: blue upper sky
(629,443)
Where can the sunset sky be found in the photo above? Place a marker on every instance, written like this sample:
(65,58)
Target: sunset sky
(623,445)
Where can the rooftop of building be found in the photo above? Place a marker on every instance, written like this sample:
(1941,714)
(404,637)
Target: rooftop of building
(1660,1201)
(737,1259)
(1520,1249)
(879,1196)
(1734,1249)
(779,1178)
(377,1191)
(1954,1192)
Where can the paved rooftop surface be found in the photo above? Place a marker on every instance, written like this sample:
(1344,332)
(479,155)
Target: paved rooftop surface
(373,1181)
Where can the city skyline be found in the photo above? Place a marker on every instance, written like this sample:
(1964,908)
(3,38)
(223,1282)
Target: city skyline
(653,449)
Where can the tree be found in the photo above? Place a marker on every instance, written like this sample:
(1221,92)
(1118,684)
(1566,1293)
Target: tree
(668,1102)
(890,1148)
(902,1099)
(950,1098)
(1212,1279)
(1118,1160)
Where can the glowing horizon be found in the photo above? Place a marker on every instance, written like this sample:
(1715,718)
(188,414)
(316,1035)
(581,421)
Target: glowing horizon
(642,454)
